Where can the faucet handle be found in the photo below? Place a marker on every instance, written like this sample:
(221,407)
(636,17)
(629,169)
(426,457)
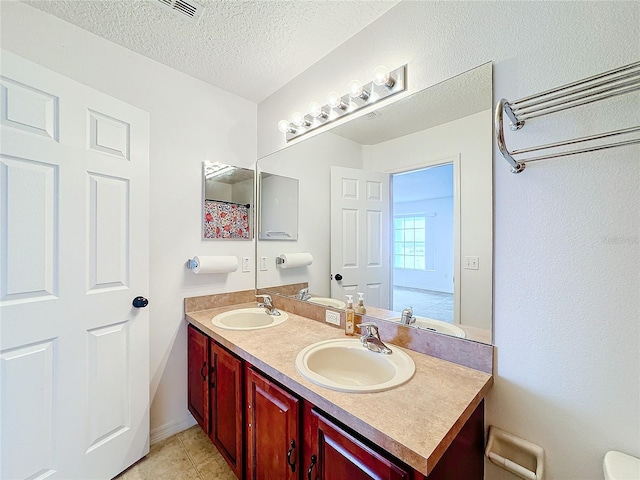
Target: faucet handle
(265,298)
(368,328)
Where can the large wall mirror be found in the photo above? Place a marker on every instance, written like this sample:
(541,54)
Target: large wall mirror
(398,205)
(227,205)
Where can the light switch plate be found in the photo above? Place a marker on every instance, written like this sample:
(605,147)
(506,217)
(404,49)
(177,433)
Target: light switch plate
(263,264)
(471,263)
(246,266)
(332,317)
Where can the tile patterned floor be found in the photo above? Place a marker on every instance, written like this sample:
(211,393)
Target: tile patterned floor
(188,455)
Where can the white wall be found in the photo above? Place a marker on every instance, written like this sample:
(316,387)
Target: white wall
(438,246)
(469,140)
(567,248)
(309,162)
(190,122)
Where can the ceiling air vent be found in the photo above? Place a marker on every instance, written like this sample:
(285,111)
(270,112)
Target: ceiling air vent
(185,9)
(372,115)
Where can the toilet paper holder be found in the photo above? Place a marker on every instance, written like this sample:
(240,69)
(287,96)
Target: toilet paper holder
(191,264)
(514,454)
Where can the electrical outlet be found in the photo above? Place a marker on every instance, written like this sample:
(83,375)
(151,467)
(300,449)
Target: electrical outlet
(246,266)
(471,263)
(332,317)
(263,264)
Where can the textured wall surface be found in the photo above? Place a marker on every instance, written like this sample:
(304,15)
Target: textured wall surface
(567,247)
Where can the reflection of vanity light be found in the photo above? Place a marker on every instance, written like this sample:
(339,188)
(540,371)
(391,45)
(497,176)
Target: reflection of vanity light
(385,83)
(217,169)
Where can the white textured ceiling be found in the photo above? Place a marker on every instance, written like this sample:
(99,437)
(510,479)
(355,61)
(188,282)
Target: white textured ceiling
(250,48)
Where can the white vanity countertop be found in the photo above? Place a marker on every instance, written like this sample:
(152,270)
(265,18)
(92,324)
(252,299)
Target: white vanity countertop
(416,422)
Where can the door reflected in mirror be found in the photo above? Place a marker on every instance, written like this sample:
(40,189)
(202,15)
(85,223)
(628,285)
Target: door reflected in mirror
(227,202)
(398,205)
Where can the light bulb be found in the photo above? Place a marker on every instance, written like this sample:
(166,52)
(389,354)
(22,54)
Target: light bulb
(315,110)
(381,77)
(355,88)
(335,100)
(284,126)
(298,120)
(356,91)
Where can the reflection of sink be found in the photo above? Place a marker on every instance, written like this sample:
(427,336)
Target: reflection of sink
(347,366)
(436,325)
(328,302)
(248,319)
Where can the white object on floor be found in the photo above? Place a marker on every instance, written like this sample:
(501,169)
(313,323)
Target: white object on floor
(619,466)
(514,454)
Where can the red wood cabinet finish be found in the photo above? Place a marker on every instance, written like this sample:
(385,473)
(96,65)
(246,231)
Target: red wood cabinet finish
(343,456)
(276,435)
(198,376)
(273,430)
(226,397)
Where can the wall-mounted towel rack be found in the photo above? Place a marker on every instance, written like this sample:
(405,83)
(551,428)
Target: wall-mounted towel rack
(609,84)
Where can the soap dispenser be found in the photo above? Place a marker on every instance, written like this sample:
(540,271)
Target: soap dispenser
(350,314)
(360,308)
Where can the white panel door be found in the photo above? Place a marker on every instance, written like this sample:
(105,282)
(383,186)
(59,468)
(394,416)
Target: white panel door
(74,368)
(360,235)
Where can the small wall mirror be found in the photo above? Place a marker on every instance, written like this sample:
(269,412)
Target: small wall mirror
(228,202)
(278,218)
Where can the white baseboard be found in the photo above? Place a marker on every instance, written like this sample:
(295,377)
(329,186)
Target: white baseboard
(165,431)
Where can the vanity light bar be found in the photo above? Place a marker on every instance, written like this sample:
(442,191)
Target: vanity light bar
(385,84)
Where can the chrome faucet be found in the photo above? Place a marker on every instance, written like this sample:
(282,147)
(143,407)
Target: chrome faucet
(267,305)
(407,317)
(371,339)
(303,294)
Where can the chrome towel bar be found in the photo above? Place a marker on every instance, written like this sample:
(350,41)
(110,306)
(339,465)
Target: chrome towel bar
(605,85)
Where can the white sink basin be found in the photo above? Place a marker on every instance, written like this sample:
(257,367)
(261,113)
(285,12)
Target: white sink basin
(347,366)
(248,319)
(437,326)
(328,302)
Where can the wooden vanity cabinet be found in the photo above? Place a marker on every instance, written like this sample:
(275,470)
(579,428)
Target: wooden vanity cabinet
(215,395)
(198,376)
(226,399)
(273,430)
(332,452)
(265,432)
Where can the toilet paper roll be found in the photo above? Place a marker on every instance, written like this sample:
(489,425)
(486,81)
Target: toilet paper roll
(295,260)
(216,264)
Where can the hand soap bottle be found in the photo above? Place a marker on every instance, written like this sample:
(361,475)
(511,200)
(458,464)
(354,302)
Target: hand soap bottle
(350,314)
(360,308)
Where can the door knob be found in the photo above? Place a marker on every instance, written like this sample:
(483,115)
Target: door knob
(140,302)
(338,277)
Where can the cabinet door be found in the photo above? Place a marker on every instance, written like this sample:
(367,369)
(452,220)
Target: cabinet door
(340,455)
(198,376)
(273,430)
(226,406)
